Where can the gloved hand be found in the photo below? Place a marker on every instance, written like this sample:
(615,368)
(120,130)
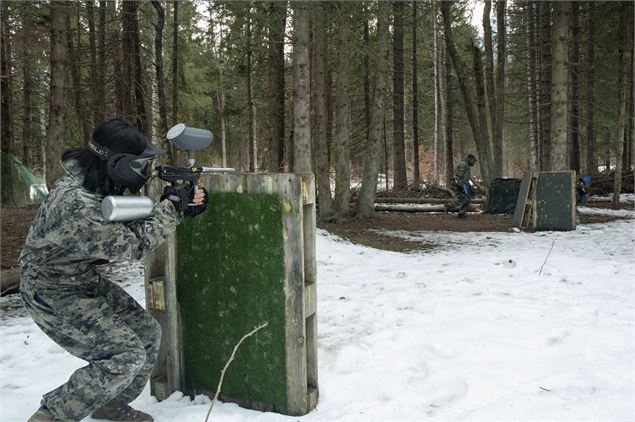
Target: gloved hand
(180,195)
(194,210)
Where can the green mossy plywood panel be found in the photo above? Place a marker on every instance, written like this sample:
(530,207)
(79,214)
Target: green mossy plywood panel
(555,201)
(230,278)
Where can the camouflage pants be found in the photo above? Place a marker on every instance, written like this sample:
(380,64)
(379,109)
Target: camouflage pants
(104,326)
(462,199)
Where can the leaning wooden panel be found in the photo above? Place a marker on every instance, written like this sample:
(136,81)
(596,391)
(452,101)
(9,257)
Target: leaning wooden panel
(241,263)
(555,197)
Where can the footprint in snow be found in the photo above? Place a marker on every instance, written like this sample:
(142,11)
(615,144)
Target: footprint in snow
(444,396)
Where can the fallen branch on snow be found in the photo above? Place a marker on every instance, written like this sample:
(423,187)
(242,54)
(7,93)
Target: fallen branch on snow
(231,358)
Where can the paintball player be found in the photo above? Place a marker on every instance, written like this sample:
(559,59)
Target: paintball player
(86,314)
(581,193)
(462,186)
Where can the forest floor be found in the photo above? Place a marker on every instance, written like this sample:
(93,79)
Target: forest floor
(372,232)
(15,223)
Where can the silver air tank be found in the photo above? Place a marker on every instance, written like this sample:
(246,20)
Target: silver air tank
(126,208)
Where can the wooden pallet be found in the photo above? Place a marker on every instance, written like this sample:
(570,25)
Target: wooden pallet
(296,195)
(525,212)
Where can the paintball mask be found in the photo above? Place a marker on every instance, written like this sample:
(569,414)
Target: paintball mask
(471,160)
(129,170)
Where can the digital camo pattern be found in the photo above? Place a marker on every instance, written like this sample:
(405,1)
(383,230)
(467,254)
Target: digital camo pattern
(462,175)
(90,317)
(462,178)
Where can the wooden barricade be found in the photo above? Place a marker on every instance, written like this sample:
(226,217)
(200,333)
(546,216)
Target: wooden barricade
(250,258)
(546,201)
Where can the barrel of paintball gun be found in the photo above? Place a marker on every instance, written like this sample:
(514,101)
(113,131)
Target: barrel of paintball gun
(126,208)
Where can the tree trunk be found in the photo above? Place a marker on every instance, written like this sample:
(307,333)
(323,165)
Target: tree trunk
(501,60)
(366,199)
(343,115)
(559,77)
(7,140)
(275,84)
(437,95)
(366,79)
(544,16)
(251,106)
(483,147)
(626,20)
(320,142)
(415,104)
(100,74)
(141,116)
(591,163)
(175,63)
(76,74)
(447,117)
(399,154)
(128,12)
(301,94)
(29,135)
(92,44)
(55,136)
(574,87)
(158,66)
(482,143)
(491,96)
(117,63)
(532,95)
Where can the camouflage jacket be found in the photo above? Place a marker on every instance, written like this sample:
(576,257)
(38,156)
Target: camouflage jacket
(69,235)
(462,175)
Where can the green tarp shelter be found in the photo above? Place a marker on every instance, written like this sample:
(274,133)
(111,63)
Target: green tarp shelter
(19,185)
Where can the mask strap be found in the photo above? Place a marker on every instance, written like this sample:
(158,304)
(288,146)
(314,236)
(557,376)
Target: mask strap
(99,150)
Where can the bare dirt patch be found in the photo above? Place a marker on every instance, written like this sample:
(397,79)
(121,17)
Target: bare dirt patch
(368,231)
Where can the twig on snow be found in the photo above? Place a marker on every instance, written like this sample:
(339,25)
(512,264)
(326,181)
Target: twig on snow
(549,253)
(231,358)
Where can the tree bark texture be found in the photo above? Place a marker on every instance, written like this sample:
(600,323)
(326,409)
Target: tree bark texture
(301,94)
(175,62)
(482,144)
(490,98)
(128,13)
(446,101)
(559,159)
(116,38)
(366,199)
(92,44)
(158,67)
(399,152)
(415,103)
(6,121)
(83,118)
(275,84)
(626,20)
(501,60)
(320,141)
(59,60)
(100,73)
(574,87)
(532,95)
(437,95)
(251,106)
(141,117)
(590,162)
(544,108)
(30,139)
(343,115)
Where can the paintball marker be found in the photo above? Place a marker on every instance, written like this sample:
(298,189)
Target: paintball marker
(128,208)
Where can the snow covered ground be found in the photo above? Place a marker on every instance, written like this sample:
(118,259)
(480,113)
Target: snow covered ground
(487,327)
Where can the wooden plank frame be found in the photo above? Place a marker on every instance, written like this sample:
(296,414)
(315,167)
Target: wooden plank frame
(297,193)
